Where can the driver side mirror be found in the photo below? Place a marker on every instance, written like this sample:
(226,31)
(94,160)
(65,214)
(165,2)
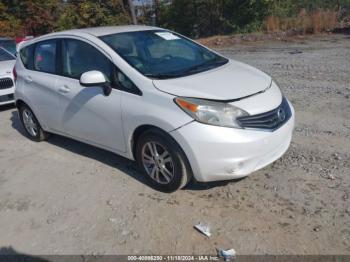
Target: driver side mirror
(96,78)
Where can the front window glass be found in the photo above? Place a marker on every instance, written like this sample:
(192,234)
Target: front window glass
(80,57)
(124,82)
(162,54)
(45,57)
(5,56)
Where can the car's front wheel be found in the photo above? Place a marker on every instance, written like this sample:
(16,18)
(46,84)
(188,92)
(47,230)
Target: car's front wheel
(31,124)
(163,161)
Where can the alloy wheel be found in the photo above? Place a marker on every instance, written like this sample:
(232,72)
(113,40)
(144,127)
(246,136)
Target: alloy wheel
(157,162)
(29,122)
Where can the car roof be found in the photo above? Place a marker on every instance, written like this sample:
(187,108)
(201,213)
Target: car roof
(108,30)
(5,38)
(94,31)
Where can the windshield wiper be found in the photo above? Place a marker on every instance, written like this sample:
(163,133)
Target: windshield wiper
(163,76)
(206,66)
(189,71)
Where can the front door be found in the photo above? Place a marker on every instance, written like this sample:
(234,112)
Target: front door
(87,114)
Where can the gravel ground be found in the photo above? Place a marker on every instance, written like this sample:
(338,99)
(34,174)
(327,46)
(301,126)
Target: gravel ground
(65,197)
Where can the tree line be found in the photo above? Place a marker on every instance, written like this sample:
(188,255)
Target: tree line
(194,18)
(36,17)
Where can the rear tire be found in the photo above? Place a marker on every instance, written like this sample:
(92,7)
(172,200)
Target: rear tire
(162,160)
(31,124)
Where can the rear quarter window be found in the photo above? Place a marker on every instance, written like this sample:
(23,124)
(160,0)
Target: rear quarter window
(26,55)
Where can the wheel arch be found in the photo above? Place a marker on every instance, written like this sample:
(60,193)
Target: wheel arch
(20,102)
(137,134)
(144,128)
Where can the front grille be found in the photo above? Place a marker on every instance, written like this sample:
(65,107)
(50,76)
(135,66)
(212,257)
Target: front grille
(6,83)
(270,121)
(6,98)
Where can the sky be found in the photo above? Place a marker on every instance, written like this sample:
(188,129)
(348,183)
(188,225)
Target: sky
(142,2)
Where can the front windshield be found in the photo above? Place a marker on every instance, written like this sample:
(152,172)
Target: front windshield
(9,45)
(5,56)
(162,54)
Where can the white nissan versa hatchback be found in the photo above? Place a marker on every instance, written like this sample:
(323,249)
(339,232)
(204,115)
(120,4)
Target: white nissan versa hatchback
(179,109)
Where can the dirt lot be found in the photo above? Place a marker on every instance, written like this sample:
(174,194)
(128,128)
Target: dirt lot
(64,197)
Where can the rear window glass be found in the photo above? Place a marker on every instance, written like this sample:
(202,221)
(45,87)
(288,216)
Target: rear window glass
(45,57)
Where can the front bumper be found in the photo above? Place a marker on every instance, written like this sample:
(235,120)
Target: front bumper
(220,153)
(6,96)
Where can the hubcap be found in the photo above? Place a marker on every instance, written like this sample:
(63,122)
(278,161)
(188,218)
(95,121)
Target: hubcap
(157,162)
(29,122)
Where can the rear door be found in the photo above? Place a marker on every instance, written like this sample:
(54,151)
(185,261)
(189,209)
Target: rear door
(40,83)
(87,114)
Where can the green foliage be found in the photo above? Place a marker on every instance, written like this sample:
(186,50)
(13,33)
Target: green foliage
(87,13)
(212,17)
(194,18)
(9,24)
(37,17)
(209,17)
(287,8)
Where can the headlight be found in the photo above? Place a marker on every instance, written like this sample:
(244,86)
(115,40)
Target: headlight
(210,112)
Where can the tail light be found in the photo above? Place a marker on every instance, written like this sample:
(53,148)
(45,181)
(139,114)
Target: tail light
(14,74)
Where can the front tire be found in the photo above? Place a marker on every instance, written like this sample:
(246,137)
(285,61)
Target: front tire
(163,161)
(31,124)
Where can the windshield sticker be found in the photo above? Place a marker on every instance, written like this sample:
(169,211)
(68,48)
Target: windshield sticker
(167,36)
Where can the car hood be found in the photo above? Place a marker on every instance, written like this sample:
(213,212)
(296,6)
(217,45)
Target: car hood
(231,81)
(6,67)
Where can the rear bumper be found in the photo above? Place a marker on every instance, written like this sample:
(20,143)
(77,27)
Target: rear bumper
(7,96)
(219,153)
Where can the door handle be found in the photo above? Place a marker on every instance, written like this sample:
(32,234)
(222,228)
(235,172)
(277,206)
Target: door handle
(64,89)
(28,79)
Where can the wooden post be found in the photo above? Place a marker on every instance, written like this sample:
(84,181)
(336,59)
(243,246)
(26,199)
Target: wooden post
(132,11)
(156,11)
